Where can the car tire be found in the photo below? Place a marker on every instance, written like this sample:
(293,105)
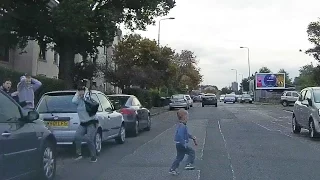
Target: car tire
(98,142)
(250,102)
(170,108)
(284,103)
(48,160)
(121,136)
(312,132)
(216,105)
(135,131)
(296,129)
(148,128)
(202,105)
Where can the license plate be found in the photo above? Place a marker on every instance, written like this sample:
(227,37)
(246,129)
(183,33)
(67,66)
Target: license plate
(58,123)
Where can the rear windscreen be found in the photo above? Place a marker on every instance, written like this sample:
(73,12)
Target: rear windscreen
(57,103)
(118,101)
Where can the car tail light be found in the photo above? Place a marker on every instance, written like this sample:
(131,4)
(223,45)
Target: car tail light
(127,111)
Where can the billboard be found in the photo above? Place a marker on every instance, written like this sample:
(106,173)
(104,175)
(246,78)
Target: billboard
(270,80)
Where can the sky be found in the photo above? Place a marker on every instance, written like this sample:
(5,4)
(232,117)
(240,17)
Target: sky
(274,31)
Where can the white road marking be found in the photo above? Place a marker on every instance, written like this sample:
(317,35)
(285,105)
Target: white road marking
(201,155)
(228,154)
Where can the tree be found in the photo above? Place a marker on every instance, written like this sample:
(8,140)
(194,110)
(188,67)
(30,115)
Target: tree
(226,90)
(313,31)
(245,84)
(264,69)
(287,78)
(75,26)
(140,62)
(306,76)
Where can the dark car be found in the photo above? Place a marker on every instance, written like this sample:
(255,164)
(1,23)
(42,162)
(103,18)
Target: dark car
(209,99)
(136,117)
(27,146)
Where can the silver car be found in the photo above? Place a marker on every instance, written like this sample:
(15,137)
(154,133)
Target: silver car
(306,112)
(60,114)
(178,101)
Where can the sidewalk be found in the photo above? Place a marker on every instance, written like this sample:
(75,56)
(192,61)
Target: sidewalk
(157,110)
(152,160)
(278,106)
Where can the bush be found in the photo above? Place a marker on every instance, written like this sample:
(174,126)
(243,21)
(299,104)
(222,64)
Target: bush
(148,98)
(48,84)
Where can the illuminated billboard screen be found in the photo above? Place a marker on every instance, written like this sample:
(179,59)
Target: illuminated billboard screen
(270,81)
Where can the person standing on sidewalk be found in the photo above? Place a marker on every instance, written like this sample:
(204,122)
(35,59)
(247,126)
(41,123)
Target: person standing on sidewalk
(88,124)
(181,138)
(26,89)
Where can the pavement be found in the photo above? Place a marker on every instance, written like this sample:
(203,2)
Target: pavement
(235,142)
(157,110)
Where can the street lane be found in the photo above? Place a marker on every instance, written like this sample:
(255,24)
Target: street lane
(236,141)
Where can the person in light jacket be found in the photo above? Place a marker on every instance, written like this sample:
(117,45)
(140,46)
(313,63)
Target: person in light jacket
(88,124)
(26,89)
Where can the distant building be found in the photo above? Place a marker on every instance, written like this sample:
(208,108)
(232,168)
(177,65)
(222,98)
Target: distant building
(234,86)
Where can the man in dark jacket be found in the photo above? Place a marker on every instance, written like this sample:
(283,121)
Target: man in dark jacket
(6,87)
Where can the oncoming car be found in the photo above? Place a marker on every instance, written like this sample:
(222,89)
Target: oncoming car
(230,98)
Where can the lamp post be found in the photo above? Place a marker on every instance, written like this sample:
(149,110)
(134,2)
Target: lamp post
(241,82)
(159,27)
(248,59)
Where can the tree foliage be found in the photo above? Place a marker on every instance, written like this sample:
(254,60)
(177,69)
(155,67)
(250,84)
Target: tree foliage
(313,31)
(244,84)
(75,26)
(264,69)
(226,90)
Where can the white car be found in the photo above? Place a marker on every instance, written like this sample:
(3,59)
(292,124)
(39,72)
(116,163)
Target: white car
(189,99)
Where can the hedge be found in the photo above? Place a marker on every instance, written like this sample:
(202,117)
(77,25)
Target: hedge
(148,98)
(48,84)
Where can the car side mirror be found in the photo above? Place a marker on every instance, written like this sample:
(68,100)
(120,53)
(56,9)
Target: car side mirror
(32,116)
(109,109)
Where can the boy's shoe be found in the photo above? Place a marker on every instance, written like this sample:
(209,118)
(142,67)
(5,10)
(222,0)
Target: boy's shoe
(189,167)
(94,159)
(173,172)
(79,156)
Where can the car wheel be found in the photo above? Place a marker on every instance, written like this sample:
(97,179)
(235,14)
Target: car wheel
(170,108)
(296,129)
(98,142)
(312,131)
(216,105)
(285,103)
(121,136)
(202,105)
(48,161)
(250,102)
(135,131)
(148,128)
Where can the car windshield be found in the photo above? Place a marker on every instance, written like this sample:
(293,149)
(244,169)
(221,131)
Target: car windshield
(246,96)
(57,103)
(118,101)
(230,95)
(316,95)
(178,96)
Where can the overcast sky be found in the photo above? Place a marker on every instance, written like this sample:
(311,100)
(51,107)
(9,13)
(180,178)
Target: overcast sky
(274,30)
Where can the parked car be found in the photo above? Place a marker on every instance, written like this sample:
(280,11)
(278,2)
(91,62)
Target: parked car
(245,98)
(27,146)
(230,98)
(209,99)
(197,98)
(306,112)
(190,101)
(178,101)
(57,110)
(222,97)
(136,117)
(289,97)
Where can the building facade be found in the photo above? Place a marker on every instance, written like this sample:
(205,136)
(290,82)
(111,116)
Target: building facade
(234,86)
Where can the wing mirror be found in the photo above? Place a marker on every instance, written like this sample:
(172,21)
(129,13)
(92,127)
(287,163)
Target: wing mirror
(307,102)
(32,116)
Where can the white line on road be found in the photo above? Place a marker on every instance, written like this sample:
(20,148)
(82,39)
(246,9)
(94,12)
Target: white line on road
(228,154)
(202,150)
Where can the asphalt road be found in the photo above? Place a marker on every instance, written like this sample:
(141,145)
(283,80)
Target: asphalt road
(236,141)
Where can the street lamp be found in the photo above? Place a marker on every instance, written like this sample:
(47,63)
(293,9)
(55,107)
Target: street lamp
(169,18)
(248,58)
(241,81)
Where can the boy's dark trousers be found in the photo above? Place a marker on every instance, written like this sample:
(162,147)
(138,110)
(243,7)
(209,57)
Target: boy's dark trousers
(181,152)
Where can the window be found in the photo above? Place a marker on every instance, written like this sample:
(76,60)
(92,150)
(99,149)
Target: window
(118,101)
(42,51)
(4,54)
(288,94)
(57,102)
(105,103)
(9,111)
(295,94)
(55,57)
(95,97)
(135,102)
(308,95)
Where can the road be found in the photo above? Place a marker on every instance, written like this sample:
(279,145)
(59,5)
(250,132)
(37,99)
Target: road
(236,141)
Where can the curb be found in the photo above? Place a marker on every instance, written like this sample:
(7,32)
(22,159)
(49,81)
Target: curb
(288,110)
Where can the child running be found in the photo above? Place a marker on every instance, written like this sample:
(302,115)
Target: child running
(181,138)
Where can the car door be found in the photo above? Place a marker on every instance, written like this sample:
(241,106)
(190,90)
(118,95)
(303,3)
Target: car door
(141,112)
(112,116)
(18,142)
(305,109)
(298,107)
(102,117)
